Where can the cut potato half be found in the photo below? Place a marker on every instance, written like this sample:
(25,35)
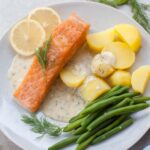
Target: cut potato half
(129,34)
(71,78)
(26,36)
(92,88)
(97,41)
(125,57)
(140,78)
(120,78)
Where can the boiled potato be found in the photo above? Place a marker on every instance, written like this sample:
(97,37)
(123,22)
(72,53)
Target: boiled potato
(120,78)
(140,78)
(93,87)
(125,57)
(97,41)
(71,78)
(129,34)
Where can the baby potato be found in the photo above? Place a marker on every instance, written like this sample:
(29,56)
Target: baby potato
(140,78)
(92,88)
(120,78)
(97,41)
(71,78)
(124,56)
(130,35)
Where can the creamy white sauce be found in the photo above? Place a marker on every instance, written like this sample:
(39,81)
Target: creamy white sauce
(81,62)
(108,58)
(62,102)
(18,69)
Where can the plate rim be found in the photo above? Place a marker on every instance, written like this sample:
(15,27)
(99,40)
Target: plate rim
(3,128)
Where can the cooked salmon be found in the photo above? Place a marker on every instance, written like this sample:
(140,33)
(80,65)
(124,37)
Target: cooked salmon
(67,38)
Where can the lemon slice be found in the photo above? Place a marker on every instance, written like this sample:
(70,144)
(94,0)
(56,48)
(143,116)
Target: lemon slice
(47,17)
(26,36)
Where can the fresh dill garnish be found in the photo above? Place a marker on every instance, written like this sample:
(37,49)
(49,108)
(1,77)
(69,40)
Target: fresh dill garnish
(41,126)
(138,9)
(113,3)
(40,58)
(145,6)
(45,50)
(41,53)
(139,14)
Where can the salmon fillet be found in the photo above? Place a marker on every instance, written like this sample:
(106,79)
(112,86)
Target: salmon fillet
(67,38)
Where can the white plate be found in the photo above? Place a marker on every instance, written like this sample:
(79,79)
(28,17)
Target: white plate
(100,17)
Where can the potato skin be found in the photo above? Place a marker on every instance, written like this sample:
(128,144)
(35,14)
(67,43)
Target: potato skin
(130,35)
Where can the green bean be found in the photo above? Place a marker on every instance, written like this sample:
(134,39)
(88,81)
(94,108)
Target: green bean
(115,88)
(114,91)
(85,144)
(102,104)
(117,92)
(140,99)
(90,118)
(73,125)
(111,126)
(131,102)
(75,118)
(87,134)
(120,104)
(106,95)
(79,131)
(116,112)
(113,131)
(87,141)
(63,143)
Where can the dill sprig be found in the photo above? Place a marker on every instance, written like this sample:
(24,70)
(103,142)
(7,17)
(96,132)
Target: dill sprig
(38,53)
(41,126)
(145,6)
(139,14)
(41,53)
(138,10)
(113,3)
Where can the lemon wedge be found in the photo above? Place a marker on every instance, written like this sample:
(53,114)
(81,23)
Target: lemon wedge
(26,36)
(47,17)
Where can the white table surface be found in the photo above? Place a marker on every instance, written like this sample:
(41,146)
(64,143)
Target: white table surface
(13,10)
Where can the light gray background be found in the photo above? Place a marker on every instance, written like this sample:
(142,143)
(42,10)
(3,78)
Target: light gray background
(13,10)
